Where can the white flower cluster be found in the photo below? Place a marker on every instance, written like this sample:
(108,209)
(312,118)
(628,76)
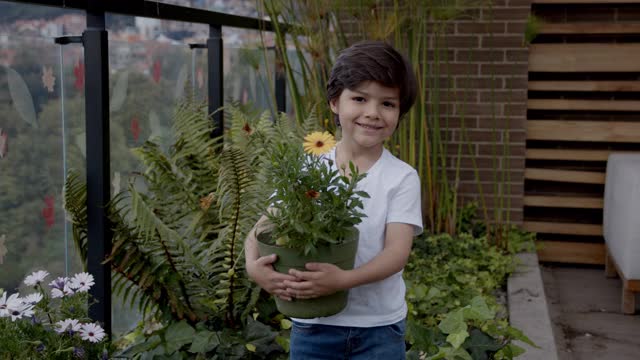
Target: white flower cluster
(91,332)
(18,307)
(64,286)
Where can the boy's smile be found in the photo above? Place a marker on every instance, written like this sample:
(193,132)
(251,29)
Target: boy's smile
(368,115)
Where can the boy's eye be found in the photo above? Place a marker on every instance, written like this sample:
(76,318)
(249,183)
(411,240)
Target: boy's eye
(358,98)
(389,104)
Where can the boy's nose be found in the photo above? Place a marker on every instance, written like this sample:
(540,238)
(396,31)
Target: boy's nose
(371,112)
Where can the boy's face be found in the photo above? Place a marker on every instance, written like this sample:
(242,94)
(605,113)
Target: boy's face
(368,114)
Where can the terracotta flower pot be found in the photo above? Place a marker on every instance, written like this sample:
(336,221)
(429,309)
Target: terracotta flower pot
(342,255)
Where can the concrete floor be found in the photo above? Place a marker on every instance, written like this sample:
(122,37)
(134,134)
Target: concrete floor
(586,317)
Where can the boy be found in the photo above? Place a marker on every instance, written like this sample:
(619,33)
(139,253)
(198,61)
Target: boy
(370,87)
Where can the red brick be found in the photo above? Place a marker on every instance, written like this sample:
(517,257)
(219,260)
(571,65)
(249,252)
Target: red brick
(502,122)
(479,55)
(504,69)
(518,82)
(452,149)
(516,28)
(506,14)
(514,150)
(459,69)
(518,55)
(515,109)
(506,41)
(479,82)
(458,41)
(482,136)
(504,96)
(469,96)
(471,162)
(480,27)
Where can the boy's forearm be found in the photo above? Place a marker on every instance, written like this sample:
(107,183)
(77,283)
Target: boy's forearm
(387,263)
(392,259)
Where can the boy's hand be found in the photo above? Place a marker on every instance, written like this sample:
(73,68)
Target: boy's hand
(262,272)
(321,279)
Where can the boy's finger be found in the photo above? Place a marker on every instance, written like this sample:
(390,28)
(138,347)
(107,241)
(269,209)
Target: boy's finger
(297,286)
(305,275)
(314,266)
(266,260)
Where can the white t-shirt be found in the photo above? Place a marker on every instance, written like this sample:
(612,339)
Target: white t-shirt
(394,190)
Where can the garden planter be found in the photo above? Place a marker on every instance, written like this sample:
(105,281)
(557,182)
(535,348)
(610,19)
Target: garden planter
(342,255)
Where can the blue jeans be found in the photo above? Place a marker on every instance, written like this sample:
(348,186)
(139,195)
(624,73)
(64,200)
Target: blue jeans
(326,342)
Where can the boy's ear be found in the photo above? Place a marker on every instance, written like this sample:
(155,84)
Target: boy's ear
(333,103)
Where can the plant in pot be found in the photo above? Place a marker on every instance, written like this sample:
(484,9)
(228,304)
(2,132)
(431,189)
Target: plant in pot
(311,215)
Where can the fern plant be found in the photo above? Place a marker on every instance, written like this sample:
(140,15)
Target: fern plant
(179,227)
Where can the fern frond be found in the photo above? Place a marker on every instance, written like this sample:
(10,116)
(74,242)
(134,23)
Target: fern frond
(236,204)
(75,205)
(310,123)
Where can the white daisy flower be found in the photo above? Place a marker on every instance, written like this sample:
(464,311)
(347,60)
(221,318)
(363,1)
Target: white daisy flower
(82,282)
(92,332)
(72,325)
(14,302)
(35,278)
(20,311)
(32,299)
(66,291)
(59,283)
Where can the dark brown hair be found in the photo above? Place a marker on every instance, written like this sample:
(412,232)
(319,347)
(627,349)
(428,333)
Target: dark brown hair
(373,61)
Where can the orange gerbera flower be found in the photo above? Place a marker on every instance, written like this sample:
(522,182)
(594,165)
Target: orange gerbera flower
(318,143)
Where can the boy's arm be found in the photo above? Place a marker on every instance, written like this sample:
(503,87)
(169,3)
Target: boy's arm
(260,269)
(323,279)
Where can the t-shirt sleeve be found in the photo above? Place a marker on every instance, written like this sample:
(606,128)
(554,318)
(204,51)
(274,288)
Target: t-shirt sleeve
(405,205)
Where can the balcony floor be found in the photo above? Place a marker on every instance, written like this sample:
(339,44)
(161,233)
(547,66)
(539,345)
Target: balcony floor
(585,311)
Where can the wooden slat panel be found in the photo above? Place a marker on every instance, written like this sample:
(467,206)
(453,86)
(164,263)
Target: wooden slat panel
(582,177)
(565,154)
(562,228)
(584,85)
(589,28)
(571,252)
(564,202)
(596,105)
(584,57)
(571,130)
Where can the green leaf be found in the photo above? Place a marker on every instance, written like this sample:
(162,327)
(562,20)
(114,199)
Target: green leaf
(509,352)
(478,310)
(480,345)
(284,342)
(178,335)
(519,335)
(204,341)
(251,347)
(285,324)
(453,322)
(456,339)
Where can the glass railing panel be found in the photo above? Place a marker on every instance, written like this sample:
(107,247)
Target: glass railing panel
(42,136)
(248,69)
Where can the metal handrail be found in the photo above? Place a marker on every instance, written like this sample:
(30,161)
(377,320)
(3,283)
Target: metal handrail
(158,10)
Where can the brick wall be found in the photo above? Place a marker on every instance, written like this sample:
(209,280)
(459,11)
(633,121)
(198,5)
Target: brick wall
(488,66)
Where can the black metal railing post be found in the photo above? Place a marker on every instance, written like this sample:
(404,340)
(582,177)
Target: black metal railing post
(215,90)
(96,61)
